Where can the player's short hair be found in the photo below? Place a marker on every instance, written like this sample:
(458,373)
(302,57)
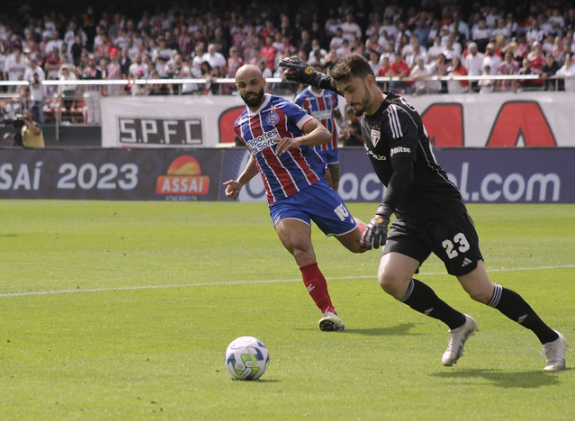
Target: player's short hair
(354,65)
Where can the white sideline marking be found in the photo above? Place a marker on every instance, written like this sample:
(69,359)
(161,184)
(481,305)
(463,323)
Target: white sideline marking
(227,283)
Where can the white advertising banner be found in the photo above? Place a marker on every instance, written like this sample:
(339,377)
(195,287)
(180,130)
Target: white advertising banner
(166,121)
(497,120)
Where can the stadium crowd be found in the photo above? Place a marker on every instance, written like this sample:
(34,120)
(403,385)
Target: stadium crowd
(414,39)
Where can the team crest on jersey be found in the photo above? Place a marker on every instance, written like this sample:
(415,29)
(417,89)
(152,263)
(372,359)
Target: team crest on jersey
(375,136)
(273,119)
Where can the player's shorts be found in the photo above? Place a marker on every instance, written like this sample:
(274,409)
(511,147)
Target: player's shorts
(318,203)
(454,240)
(330,157)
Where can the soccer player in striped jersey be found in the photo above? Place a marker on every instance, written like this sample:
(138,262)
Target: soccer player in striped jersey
(323,105)
(281,137)
(430,216)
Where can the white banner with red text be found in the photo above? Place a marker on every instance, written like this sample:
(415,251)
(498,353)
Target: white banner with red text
(497,120)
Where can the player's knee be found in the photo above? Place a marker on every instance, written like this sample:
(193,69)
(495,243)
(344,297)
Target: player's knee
(392,284)
(303,257)
(482,295)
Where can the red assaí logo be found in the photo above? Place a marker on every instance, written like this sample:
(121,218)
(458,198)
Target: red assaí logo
(184,177)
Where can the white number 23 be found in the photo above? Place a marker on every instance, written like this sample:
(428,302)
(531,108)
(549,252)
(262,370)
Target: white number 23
(460,243)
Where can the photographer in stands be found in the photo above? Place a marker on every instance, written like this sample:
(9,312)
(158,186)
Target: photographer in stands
(28,133)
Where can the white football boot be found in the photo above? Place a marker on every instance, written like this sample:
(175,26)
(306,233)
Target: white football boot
(330,322)
(555,353)
(457,339)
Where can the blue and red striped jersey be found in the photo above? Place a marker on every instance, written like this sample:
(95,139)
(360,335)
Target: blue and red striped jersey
(321,106)
(261,130)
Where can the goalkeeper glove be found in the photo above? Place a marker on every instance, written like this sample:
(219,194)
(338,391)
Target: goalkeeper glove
(299,71)
(375,233)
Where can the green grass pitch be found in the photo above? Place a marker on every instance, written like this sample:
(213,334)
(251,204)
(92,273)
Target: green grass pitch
(123,311)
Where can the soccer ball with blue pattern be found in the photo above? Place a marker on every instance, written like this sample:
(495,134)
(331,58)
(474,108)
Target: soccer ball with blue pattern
(247,358)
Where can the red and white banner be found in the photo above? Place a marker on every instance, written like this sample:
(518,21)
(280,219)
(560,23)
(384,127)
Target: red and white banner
(496,120)
(499,120)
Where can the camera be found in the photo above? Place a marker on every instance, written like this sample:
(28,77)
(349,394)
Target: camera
(17,123)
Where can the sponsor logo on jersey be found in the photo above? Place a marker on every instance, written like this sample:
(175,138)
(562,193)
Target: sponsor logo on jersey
(258,144)
(400,149)
(376,156)
(322,115)
(273,119)
(375,136)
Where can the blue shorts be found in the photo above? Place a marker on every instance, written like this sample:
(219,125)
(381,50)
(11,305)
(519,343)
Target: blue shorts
(330,157)
(318,203)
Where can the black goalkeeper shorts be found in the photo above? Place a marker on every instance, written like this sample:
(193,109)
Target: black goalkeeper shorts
(454,240)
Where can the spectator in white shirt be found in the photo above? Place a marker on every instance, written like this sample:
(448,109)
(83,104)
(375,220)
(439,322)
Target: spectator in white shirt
(459,26)
(55,41)
(67,92)
(34,68)
(481,34)
(492,16)
(473,62)
(557,22)
(491,59)
(389,28)
(37,98)
(331,24)
(511,24)
(374,61)
(138,66)
(317,54)
(435,50)
(450,50)
(337,40)
(486,85)
(15,66)
(350,28)
(535,33)
(422,73)
(502,29)
(568,72)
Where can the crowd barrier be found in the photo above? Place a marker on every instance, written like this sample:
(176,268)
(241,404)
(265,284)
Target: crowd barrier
(519,175)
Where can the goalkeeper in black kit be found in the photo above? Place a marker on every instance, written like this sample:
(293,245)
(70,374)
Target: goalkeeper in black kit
(430,215)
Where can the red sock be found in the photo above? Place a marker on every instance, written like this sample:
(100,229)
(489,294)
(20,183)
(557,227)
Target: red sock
(360,225)
(316,286)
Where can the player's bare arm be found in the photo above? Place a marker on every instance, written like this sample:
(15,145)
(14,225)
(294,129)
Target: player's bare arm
(315,134)
(233,187)
(339,119)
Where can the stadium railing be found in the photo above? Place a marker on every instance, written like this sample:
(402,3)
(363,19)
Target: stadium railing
(85,101)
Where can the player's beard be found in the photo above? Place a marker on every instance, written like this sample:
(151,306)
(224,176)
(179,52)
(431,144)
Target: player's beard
(364,102)
(253,99)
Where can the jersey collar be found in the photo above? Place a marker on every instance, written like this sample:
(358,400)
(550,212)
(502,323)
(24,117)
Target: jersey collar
(264,104)
(317,95)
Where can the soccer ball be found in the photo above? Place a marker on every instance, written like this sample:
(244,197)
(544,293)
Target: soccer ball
(247,358)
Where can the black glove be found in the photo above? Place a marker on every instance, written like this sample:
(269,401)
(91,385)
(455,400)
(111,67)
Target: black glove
(375,233)
(299,71)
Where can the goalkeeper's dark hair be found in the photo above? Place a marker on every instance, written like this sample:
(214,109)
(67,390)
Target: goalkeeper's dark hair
(354,65)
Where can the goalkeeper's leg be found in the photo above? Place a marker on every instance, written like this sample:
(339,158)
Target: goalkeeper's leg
(512,305)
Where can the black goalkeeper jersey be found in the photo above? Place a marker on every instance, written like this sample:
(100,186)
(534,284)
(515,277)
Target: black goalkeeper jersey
(395,131)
